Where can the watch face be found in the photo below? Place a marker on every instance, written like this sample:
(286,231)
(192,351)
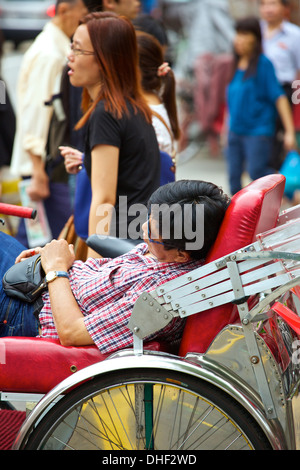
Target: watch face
(50,276)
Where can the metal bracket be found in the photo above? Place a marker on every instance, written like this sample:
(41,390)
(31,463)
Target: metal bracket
(137,346)
(253,349)
(148,316)
(20,397)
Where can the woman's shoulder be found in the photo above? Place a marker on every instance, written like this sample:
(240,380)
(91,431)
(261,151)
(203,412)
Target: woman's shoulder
(159,109)
(101,115)
(160,112)
(99,108)
(264,62)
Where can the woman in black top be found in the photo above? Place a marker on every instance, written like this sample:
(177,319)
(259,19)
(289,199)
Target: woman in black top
(122,155)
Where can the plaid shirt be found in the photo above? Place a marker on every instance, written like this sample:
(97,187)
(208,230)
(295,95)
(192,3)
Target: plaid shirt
(106,290)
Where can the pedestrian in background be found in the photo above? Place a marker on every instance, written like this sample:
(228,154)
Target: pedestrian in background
(254,97)
(159,89)
(38,81)
(7,120)
(281,40)
(121,154)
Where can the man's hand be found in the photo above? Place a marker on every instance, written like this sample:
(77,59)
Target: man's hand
(39,187)
(289,141)
(25,254)
(57,255)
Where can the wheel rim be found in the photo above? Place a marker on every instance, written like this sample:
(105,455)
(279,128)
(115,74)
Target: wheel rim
(145,415)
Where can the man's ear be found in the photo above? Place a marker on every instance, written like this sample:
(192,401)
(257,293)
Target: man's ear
(62,8)
(108,5)
(182,256)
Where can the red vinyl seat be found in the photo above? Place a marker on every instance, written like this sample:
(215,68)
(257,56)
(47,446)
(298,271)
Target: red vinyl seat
(252,210)
(36,365)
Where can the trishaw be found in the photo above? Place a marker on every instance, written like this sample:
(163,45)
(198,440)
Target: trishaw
(231,384)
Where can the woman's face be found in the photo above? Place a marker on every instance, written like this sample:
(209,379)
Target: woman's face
(244,44)
(84,69)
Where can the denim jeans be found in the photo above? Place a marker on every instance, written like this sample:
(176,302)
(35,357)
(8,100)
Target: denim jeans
(248,153)
(16,316)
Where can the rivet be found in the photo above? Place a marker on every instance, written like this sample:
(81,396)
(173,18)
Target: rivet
(73,368)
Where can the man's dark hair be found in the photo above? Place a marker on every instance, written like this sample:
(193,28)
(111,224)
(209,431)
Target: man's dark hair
(190,193)
(92,5)
(150,25)
(285,3)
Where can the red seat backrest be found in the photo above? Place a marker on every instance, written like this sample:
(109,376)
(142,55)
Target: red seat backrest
(252,210)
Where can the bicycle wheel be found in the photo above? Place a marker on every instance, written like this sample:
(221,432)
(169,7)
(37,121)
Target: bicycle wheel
(150,409)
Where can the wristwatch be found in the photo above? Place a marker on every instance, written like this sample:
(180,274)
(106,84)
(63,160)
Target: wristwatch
(51,275)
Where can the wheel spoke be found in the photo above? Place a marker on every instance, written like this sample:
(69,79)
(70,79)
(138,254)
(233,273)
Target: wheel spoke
(142,414)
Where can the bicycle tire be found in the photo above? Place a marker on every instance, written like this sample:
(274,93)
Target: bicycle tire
(147,410)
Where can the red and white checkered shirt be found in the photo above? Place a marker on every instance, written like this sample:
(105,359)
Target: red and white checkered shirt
(106,290)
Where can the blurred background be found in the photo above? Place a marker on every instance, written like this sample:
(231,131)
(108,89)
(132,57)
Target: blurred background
(200,34)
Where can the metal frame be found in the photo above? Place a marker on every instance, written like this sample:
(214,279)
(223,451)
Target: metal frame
(238,361)
(238,389)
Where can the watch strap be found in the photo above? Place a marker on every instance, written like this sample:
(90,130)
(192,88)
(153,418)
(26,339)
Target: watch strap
(52,275)
(62,274)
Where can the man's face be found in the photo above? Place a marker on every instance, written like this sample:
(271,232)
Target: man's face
(128,8)
(72,16)
(272,11)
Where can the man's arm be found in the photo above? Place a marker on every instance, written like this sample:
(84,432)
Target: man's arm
(44,76)
(68,319)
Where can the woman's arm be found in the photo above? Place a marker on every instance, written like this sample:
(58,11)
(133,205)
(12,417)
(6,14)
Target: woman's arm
(104,179)
(286,116)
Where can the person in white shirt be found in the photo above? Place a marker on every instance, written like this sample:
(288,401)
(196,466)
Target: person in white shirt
(281,40)
(38,80)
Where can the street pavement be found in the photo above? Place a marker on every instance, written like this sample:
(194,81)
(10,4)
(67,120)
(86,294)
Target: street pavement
(196,162)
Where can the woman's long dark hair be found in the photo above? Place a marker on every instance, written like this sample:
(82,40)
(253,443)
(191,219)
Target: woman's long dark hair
(250,25)
(151,56)
(114,42)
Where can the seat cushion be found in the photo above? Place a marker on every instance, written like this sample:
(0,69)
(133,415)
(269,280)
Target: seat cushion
(36,365)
